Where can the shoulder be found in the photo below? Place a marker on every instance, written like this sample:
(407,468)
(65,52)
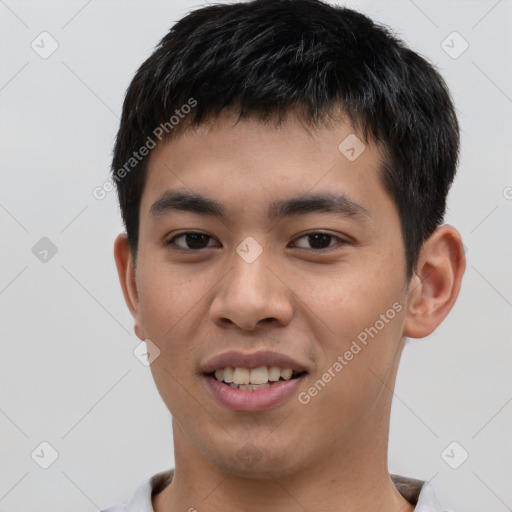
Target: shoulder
(141,499)
(418,492)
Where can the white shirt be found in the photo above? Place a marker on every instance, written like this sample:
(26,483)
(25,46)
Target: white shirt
(419,493)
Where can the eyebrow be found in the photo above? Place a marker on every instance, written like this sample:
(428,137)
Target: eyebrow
(177,200)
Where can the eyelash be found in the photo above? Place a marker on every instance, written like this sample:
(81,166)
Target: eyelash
(341,241)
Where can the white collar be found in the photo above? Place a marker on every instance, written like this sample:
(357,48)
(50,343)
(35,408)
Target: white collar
(418,492)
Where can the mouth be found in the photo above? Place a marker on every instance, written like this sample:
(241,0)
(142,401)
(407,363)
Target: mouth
(253,379)
(252,382)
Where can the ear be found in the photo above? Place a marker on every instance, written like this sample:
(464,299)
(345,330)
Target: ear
(126,272)
(435,286)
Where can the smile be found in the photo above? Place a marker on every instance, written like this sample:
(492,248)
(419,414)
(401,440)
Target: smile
(252,382)
(255,378)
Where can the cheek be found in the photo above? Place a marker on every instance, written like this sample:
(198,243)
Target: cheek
(358,321)
(171,314)
(166,298)
(343,303)
(354,380)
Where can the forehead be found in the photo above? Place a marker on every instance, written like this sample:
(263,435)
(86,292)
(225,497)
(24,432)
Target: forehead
(247,164)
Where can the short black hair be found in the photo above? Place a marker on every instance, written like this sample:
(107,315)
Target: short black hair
(269,58)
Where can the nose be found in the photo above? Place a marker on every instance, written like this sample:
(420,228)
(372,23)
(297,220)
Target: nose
(250,295)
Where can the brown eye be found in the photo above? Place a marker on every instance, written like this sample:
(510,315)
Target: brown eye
(317,241)
(191,240)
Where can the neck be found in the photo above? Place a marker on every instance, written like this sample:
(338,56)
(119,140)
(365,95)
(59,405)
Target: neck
(352,476)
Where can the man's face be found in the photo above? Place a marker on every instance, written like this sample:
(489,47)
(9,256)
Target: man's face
(298,281)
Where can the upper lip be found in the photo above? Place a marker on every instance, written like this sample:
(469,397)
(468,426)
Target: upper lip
(236,359)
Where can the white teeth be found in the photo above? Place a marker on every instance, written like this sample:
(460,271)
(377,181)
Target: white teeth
(228,375)
(259,375)
(241,376)
(255,378)
(274,372)
(252,387)
(249,386)
(286,374)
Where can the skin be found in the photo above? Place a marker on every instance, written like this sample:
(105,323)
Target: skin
(308,303)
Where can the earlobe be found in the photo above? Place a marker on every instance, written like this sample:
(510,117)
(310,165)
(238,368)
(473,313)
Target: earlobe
(435,286)
(126,273)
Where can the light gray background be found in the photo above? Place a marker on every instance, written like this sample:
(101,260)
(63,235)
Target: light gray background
(67,372)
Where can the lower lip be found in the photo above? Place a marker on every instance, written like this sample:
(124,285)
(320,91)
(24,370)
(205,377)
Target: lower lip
(249,400)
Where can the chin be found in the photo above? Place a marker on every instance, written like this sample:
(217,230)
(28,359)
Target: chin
(258,462)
